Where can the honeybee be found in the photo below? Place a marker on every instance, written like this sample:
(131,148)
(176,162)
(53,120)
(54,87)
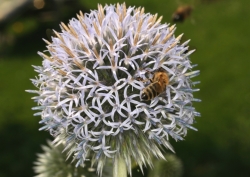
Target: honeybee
(158,85)
(181,13)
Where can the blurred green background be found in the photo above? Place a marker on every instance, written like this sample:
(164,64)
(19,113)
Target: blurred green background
(218,29)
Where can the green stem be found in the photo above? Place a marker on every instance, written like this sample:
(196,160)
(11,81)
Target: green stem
(119,168)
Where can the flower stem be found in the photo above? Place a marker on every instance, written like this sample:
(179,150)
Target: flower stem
(119,169)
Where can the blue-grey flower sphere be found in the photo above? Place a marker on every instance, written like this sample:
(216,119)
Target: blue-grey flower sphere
(51,163)
(92,81)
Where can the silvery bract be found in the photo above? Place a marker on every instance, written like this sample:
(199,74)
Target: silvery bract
(91,79)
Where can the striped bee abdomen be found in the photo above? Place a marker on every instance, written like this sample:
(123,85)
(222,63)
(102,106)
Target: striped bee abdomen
(151,91)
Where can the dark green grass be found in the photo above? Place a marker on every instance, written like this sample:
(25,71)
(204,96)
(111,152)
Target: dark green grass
(219,30)
(20,138)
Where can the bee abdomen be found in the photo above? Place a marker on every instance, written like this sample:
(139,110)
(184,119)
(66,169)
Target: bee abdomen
(150,91)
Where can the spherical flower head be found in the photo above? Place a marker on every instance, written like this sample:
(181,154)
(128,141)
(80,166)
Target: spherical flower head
(51,163)
(116,83)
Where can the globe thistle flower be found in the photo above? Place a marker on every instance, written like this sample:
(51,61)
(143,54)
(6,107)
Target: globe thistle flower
(52,163)
(171,168)
(91,82)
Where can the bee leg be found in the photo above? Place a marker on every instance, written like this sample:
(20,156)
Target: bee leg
(145,80)
(142,80)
